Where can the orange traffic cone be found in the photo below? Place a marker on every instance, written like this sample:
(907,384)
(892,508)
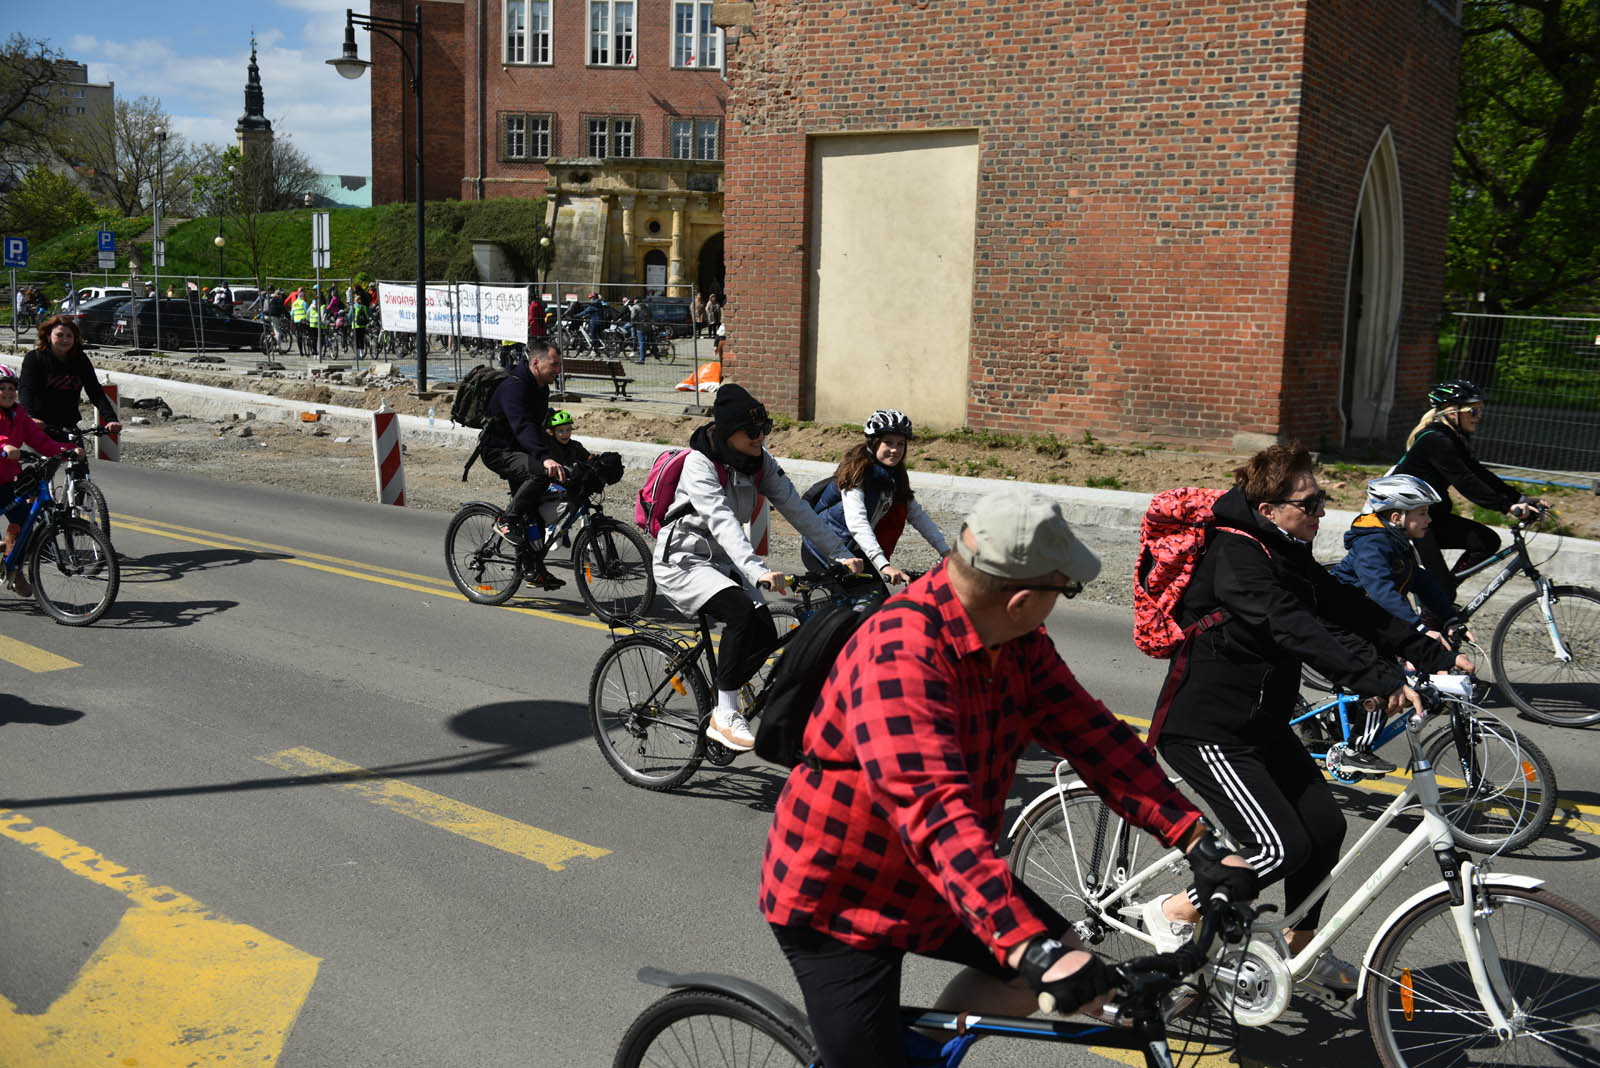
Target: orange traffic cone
(709,377)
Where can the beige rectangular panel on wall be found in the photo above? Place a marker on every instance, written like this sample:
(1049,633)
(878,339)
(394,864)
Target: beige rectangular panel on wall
(893,218)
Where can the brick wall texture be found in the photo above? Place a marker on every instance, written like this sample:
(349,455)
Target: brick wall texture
(394,119)
(1167,195)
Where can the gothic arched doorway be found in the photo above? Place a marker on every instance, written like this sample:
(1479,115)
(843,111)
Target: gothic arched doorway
(1372,299)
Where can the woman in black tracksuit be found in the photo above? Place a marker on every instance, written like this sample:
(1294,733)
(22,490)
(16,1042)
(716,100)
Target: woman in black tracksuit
(1227,728)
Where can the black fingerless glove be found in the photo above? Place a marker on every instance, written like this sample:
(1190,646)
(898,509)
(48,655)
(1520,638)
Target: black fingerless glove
(1071,993)
(1210,874)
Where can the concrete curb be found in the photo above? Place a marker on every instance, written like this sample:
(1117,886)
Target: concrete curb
(1114,514)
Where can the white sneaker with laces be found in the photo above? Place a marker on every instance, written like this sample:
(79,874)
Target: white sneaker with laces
(732,730)
(1168,934)
(1333,974)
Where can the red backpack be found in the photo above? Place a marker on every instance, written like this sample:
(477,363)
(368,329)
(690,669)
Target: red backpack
(1172,538)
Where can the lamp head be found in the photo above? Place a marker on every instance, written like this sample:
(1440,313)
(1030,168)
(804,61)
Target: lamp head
(349,64)
(219,241)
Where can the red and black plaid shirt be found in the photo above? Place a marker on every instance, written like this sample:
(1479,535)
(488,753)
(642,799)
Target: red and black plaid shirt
(900,851)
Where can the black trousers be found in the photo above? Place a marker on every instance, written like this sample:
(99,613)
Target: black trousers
(748,636)
(527,478)
(1452,531)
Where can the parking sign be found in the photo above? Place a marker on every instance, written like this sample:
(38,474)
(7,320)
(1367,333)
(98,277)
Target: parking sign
(108,241)
(16,252)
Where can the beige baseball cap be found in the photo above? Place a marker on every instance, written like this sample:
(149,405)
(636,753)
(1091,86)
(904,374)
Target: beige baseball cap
(1022,535)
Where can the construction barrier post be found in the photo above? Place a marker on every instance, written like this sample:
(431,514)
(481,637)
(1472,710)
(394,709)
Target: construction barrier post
(757,527)
(388,458)
(108,447)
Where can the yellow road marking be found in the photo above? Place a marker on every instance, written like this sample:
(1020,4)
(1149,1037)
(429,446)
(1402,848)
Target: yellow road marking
(519,839)
(31,657)
(175,983)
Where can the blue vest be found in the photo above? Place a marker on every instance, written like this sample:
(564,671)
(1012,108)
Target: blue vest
(879,481)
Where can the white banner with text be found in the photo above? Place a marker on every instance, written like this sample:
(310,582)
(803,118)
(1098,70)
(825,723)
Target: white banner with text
(464,309)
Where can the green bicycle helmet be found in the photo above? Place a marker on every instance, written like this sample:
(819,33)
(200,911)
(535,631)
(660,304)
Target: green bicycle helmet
(560,418)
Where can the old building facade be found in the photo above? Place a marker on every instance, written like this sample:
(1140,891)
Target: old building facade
(1140,219)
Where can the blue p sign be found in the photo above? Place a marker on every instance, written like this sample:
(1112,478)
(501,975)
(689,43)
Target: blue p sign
(108,241)
(16,252)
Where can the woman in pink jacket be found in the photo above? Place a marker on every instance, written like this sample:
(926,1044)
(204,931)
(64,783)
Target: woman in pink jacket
(17,429)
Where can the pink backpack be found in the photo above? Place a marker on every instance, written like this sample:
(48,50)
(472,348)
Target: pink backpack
(652,507)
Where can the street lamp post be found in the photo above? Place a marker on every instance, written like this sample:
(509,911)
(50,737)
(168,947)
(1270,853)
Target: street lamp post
(156,249)
(544,254)
(351,65)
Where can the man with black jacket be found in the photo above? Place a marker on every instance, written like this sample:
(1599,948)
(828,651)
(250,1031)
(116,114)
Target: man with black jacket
(514,445)
(1232,688)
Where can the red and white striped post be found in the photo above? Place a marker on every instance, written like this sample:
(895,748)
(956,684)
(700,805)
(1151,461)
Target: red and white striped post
(757,527)
(107,446)
(386,455)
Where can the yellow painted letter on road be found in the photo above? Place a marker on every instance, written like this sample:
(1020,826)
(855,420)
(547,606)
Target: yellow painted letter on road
(174,984)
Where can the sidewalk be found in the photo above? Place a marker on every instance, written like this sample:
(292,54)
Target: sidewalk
(1113,515)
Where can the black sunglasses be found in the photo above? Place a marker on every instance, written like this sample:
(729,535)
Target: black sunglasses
(758,430)
(1070,588)
(1308,505)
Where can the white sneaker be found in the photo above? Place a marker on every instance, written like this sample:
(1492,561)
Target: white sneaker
(732,730)
(1333,974)
(1168,934)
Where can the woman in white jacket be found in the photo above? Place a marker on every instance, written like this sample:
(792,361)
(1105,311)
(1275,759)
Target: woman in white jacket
(704,561)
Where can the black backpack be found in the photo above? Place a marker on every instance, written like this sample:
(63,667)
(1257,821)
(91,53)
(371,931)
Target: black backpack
(471,406)
(800,673)
(813,492)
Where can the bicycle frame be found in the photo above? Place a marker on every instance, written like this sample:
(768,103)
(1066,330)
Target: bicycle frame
(1523,564)
(43,501)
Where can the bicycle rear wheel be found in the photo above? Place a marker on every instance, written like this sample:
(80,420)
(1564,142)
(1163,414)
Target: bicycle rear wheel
(484,567)
(696,1028)
(1496,788)
(612,565)
(1422,1008)
(649,723)
(83,497)
(1565,693)
(74,572)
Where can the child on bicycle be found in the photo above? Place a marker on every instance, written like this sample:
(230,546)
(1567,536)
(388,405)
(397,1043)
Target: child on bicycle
(1381,559)
(565,450)
(869,502)
(16,430)
(704,561)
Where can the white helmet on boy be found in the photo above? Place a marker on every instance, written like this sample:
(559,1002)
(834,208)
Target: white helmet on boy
(1399,493)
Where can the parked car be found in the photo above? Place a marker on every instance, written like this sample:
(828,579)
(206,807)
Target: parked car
(672,312)
(97,318)
(243,296)
(88,293)
(184,324)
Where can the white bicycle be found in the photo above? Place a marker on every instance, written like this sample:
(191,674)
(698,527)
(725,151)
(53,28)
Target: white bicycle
(1480,969)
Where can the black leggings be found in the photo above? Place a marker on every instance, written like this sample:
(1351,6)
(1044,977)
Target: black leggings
(748,636)
(1452,531)
(1274,803)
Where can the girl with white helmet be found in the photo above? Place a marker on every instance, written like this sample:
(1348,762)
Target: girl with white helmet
(869,501)
(1381,559)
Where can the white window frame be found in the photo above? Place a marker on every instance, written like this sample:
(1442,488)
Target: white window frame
(694,129)
(514,42)
(609,125)
(614,49)
(526,43)
(691,50)
(530,135)
(513,126)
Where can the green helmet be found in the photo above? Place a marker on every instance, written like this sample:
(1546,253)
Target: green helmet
(560,418)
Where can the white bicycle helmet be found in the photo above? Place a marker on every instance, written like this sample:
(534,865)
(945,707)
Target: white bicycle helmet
(1399,493)
(887,421)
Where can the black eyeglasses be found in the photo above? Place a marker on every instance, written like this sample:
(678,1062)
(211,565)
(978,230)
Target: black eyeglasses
(758,430)
(1308,505)
(1070,588)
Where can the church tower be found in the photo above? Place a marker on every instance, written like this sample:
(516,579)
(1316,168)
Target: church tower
(254,129)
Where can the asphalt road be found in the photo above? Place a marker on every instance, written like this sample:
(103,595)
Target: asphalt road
(294,801)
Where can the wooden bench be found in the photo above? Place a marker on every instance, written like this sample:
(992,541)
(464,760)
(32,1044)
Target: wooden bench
(608,370)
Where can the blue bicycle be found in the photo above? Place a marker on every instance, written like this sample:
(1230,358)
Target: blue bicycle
(1506,790)
(69,561)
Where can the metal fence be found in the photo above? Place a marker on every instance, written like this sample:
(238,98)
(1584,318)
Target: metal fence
(1543,379)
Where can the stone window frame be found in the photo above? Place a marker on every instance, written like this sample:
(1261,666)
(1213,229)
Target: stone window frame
(697,125)
(686,45)
(611,135)
(528,134)
(537,36)
(612,43)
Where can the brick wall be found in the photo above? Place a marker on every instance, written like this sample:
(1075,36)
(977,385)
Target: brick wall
(570,89)
(393,117)
(1166,193)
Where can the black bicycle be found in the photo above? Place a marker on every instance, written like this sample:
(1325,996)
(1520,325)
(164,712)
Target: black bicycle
(69,561)
(728,1022)
(610,558)
(71,484)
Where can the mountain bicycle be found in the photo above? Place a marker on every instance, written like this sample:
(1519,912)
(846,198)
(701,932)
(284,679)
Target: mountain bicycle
(1481,964)
(70,562)
(610,559)
(71,484)
(727,1022)
(1506,792)
(1546,649)
(649,698)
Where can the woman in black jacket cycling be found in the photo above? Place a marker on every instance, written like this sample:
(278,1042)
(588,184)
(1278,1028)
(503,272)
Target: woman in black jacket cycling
(1227,729)
(1439,451)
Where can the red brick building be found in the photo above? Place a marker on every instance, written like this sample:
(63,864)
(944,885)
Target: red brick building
(394,122)
(1144,219)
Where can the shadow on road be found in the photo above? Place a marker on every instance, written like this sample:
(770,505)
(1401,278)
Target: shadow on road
(161,615)
(15,709)
(167,567)
(521,727)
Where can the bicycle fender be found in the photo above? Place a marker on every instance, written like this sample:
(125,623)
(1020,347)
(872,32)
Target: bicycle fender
(1521,882)
(733,986)
(1052,796)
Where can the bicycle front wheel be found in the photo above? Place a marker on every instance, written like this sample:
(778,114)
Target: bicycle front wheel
(83,497)
(1422,1008)
(74,572)
(1496,788)
(484,567)
(649,720)
(612,565)
(697,1028)
(1527,668)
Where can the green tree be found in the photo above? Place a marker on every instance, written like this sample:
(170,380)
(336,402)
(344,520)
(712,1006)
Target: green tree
(132,150)
(28,135)
(1525,194)
(43,204)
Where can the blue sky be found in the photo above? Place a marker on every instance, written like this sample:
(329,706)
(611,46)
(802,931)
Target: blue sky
(193,57)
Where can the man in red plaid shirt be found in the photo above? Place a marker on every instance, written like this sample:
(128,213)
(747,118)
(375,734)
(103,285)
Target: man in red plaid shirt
(884,840)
